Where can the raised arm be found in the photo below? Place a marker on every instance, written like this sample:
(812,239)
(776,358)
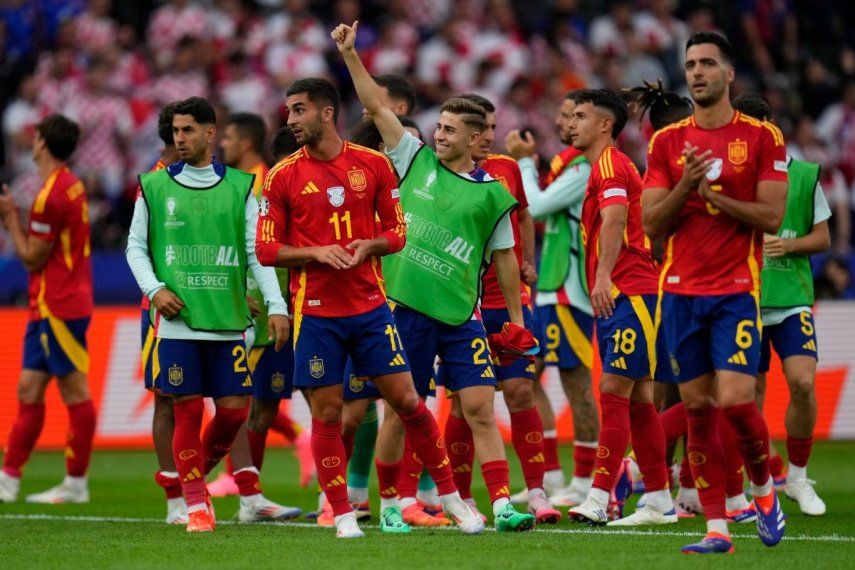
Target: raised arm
(366,88)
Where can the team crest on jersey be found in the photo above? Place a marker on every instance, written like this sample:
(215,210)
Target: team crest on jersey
(316,367)
(175,375)
(357,384)
(263,206)
(277,382)
(200,207)
(715,169)
(357,180)
(336,195)
(737,152)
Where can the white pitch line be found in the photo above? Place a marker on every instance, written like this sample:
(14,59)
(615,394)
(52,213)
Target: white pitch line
(540,530)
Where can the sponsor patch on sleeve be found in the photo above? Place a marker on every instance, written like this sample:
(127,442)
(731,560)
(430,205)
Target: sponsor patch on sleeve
(780,165)
(396,193)
(39,227)
(614,192)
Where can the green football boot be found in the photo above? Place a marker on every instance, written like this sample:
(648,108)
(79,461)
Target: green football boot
(391,520)
(509,520)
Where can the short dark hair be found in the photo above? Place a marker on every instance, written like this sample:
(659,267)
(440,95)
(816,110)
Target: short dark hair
(318,90)
(398,88)
(753,105)
(164,123)
(605,99)
(571,95)
(472,114)
(367,134)
(485,103)
(724,45)
(249,126)
(197,107)
(407,122)
(60,135)
(284,143)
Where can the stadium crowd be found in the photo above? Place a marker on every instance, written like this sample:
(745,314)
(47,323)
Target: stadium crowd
(111,65)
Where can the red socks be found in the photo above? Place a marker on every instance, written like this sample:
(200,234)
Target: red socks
(752,434)
(331,463)
(427,442)
(220,433)
(734,483)
(81,432)
(257,443)
(187,449)
(614,437)
(776,464)
(686,479)
(387,478)
(584,458)
(707,460)
(411,470)
(550,452)
(674,424)
(798,451)
(527,437)
(170,485)
(461,453)
(247,482)
(283,424)
(648,441)
(349,441)
(497,478)
(22,439)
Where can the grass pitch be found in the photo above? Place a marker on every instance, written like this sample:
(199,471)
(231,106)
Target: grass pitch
(123,527)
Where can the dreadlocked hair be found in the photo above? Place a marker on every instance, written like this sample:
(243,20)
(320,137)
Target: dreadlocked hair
(664,107)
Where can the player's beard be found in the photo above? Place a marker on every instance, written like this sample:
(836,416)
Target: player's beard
(311,132)
(711,98)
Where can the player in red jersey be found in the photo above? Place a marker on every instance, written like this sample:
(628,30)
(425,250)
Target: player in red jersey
(715,183)
(54,249)
(516,378)
(318,212)
(622,280)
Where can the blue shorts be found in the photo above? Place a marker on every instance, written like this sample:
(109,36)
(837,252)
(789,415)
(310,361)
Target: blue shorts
(698,335)
(212,368)
(627,339)
(358,387)
(322,346)
(493,320)
(272,372)
(148,342)
(56,347)
(564,334)
(463,350)
(795,336)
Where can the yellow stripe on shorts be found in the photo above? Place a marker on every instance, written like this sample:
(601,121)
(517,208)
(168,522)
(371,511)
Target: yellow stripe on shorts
(75,352)
(579,341)
(647,327)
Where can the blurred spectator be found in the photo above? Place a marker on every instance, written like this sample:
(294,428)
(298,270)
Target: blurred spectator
(185,77)
(170,24)
(771,30)
(245,90)
(94,29)
(834,279)
(836,127)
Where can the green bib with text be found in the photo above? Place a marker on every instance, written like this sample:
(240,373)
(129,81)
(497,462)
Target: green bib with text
(197,242)
(449,223)
(787,281)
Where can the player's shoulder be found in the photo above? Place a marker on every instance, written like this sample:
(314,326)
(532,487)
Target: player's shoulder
(750,123)
(502,159)
(668,132)
(286,165)
(61,188)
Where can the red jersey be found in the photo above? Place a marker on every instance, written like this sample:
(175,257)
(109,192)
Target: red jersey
(308,202)
(60,215)
(559,163)
(708,252)
(146,302)
(615,180)
(505,170)
(260,171)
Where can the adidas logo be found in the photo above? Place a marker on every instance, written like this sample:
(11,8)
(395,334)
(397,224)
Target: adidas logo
(810,345)
(310,188)
(389,492)
(444,463)
(192,476)
(601,471)
(398,360)
(738,358)
(504,491)
(551,357)
(248,382)
(619,363)
(701,483)
(337,482)
(461,469)
(488,373)
(537,459)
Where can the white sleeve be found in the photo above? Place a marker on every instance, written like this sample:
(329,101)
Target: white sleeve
(503,234)
(821,210)
(403,154)
(264,276)
(137,252)
(565,192)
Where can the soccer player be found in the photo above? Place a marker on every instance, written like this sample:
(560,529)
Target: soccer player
(456,215)
(715,183)
(517,378)
(564,321)
(785,306)
(397,94)
(622,281)
(318,211)
(163,421)
(272,371)
(190,245)
(54,249)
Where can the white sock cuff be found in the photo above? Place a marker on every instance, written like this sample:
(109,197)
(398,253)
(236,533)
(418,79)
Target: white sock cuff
(550,433)
(252,469)
(591,444)
(169,474)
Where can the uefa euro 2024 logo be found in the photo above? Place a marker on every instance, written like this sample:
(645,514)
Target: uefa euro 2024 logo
(171,221)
